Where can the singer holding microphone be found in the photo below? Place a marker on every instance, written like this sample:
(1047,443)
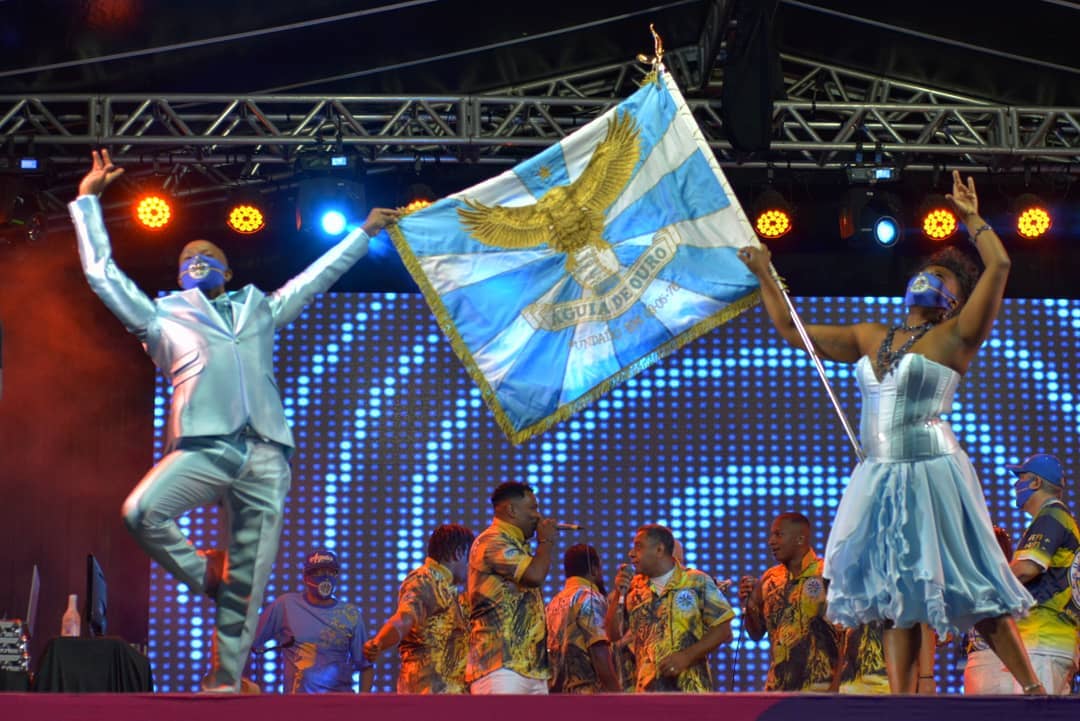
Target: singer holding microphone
(676,616)
(788,603)
(507,628)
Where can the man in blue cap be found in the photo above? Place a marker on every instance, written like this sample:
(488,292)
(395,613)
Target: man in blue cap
(321,638)
(1045,562)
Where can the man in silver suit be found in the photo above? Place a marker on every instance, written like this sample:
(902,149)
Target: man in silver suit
(227,437)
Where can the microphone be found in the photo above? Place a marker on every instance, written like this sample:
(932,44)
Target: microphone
(569,526)
(622,594)
(288,643)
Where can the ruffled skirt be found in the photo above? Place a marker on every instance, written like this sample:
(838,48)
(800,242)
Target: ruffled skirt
(912,543)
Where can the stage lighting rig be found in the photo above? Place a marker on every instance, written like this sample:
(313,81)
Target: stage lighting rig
(153,209)
(938,218)
(773,216)
(245,213)
(25,165)
(871,174)
(871,215)
(329,205)
(1033,218)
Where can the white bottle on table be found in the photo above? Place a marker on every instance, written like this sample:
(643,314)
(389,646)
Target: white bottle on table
(71,624)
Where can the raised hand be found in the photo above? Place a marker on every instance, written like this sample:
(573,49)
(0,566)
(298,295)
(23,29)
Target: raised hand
(757,259)
(963,196)
(102,174)
(379,218)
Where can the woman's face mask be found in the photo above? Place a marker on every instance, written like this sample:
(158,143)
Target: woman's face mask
(927,290)
(202,272)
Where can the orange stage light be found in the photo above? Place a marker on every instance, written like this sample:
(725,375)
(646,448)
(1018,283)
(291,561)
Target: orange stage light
(153,211)
(246,218)
(1032,216)
(939,223)
(772,223)
(417,204)
(772,214)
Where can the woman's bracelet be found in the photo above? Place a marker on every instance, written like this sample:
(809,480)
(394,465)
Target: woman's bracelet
(975,236)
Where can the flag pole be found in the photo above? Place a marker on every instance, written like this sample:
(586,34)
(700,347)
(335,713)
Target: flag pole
(809,345)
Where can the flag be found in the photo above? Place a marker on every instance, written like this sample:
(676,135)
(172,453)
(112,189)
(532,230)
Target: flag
(584,265)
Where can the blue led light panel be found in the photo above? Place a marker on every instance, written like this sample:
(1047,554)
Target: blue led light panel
(393,439)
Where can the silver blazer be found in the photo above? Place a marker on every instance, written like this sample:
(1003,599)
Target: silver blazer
(222,375)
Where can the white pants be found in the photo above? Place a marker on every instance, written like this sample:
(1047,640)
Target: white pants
(505,681)
(986,674)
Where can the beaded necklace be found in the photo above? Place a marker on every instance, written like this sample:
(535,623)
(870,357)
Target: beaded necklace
(887,358)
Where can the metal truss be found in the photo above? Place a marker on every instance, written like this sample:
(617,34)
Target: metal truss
(833,117)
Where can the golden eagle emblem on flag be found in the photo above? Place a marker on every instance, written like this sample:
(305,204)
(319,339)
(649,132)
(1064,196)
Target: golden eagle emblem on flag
(568,218)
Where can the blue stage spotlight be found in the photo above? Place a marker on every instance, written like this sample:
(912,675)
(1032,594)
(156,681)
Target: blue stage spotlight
(328,206)
(886,230)
(333,222)
(869,217)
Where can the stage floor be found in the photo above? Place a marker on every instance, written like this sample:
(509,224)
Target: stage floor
(648,707)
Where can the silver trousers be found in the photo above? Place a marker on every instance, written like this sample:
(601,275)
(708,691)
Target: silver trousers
(251,478)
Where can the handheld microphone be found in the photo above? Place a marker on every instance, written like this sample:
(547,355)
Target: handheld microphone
(622,594)
(288,643)
(569,526)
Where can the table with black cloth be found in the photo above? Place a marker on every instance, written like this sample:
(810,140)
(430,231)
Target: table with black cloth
(14,681)
(80,665)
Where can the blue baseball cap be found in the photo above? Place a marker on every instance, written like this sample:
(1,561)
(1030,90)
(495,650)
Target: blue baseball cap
(321,559)
(1044,466)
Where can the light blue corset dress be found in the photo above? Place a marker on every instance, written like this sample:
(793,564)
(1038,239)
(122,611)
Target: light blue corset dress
(912,541)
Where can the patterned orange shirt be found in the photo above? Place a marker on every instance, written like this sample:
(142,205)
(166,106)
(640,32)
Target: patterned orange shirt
(507,628)
(575,621)
(690,606)
(805,647)
(433,653)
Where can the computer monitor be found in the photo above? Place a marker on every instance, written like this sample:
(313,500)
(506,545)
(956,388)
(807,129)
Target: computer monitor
(32,602)
(96,597)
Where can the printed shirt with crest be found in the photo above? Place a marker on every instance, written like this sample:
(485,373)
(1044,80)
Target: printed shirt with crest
(433,653)
(575,622)
(507,628)
(805,647)
(661,624)
(1053,626)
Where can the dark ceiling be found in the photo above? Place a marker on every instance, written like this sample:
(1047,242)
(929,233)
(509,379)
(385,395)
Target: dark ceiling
(1020,52)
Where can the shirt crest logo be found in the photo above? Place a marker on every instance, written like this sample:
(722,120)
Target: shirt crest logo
(685,600)
(814,588)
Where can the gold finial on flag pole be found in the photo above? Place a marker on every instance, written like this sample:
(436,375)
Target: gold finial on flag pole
(656,60)
(658,45)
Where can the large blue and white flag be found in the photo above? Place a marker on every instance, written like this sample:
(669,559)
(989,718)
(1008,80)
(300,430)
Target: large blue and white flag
(585,264)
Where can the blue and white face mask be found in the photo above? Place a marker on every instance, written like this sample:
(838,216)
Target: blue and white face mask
(927,290)
(202,272)
(1022,491)
(321,584)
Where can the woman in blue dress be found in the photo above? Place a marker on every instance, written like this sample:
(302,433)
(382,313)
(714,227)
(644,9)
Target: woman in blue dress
(912,543)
